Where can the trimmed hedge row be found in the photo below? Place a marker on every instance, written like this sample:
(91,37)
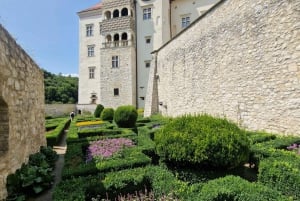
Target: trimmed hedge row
(232,188)
(53,136)
(272,148)
(97,132)
(282,173)
(158,179)
(162,182)
(76,165)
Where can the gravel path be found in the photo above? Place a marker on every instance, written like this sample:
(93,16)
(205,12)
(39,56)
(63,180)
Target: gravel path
(60,150)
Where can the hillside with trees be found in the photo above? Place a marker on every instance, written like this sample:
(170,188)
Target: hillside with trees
(60,89)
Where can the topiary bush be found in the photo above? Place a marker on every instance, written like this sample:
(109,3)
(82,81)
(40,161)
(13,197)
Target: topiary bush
(126,116)
(98,110)
(107,114)
(202,140)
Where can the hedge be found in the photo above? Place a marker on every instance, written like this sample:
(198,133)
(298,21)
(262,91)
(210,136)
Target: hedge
(282,173)
(75,164)
(54,136)
(202,140)
(233,188)
(159,180)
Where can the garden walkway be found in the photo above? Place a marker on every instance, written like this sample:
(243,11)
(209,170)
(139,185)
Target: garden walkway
(60,150)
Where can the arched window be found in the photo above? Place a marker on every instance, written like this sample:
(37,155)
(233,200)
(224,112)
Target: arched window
(4,126)
(124,12)
(124,36)
(108,38)
(116,37)
(116,40)
(107,15)
(116,13)
(93,98)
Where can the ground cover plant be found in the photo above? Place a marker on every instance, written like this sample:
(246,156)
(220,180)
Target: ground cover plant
(34,177)
(146,169)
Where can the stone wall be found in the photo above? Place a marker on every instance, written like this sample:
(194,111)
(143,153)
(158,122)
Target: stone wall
(123,77)
(240,60)
(55,110)
(22,116)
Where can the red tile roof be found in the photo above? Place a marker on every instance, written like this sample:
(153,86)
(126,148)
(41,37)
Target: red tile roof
(94,7)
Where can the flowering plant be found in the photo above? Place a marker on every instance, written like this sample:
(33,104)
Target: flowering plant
(294,147)
(87,123)
(103,149)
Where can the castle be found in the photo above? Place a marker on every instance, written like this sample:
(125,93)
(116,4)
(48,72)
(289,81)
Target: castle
(116,40)
(237,59)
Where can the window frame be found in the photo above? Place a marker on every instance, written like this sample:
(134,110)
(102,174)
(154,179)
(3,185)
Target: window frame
(89,32)
(92,70)
(116,92)
(115,61)
(147,13)
(185,21)
(91,50)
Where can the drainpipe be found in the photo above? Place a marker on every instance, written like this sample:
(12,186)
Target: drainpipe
(136,62)
(170,18)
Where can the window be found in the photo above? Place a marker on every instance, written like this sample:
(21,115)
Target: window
(115,61)
(124,12)
(91,72)
(147,64)
(116,91)
(148,40)
(185,21)
(89,30)
(93,98)
(142,98)
(116,13)
(91,50)
(146,13)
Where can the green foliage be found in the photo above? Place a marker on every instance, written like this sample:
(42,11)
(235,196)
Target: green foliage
(97,132)
(232,188)
(107,114)
(126,116)
(203,140)
(282,173)
(258,137)
(60,89)
(34,177)
(270,148)
(98,110)
(53,136)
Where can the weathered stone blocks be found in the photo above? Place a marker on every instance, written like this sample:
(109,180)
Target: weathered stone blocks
(21,108)
(240,60)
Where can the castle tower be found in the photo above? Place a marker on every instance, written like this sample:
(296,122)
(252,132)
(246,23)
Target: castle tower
(118,53)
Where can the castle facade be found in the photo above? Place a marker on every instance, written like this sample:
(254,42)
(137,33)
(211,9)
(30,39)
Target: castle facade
(116,39)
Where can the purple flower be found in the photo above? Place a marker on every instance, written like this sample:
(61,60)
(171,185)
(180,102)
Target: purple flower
(107,148)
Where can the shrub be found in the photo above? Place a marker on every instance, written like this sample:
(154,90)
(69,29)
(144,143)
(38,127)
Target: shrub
(202,140)
(126,116)
(107,114)
(54,136)
(98,110)
(34,177)
(282,173)
(232,188)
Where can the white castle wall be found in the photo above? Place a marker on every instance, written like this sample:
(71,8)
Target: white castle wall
(240,60)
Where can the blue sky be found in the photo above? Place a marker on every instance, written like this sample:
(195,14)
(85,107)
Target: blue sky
(47,30)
